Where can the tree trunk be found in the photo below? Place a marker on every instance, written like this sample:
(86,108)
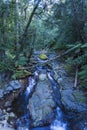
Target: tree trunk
(22,40)
(76,21)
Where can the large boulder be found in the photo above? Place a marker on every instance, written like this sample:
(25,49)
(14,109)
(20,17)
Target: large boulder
(72,99)
(41,104)
(11,90)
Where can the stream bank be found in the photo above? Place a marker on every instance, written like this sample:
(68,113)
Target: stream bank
(40,104)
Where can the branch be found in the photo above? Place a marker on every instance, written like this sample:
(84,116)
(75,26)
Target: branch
(65,53)
(76,77)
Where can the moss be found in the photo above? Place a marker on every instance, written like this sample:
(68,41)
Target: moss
(21,74)
(79,97)
(43,57)
(69,69)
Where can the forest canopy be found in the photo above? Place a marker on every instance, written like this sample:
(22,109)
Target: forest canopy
(57,25)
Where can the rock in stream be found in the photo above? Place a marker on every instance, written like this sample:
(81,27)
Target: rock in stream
(41,104)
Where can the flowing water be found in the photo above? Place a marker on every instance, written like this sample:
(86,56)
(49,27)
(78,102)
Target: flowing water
(23,121)
(60,122)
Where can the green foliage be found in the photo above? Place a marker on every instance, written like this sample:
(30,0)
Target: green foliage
(83,73)
(18,74)
(56,26)
(78,58)
(12,24)
(7,65)
(21,61)
(72,35)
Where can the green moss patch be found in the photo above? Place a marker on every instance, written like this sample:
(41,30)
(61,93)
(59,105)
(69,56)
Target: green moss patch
(43,57)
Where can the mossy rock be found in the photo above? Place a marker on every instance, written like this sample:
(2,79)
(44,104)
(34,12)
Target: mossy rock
(43,57)
(19,74)
(79,96)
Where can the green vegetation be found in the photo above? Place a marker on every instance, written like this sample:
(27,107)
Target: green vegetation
(43,57)
(59,26)
(21,74)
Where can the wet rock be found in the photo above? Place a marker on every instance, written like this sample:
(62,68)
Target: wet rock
(4,111)
(72,102)
(11,114)
(0,111)
(8,88)
(7,104)
(6,128)
(22,128)
(8,109)
(1,93)
(41,104)
(72,99)
(79,121)
(15,84)
(7,120)
(42,77)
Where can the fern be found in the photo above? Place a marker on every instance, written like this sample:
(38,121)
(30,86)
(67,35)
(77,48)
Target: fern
(83,73)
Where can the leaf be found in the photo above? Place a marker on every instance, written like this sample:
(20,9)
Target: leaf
(84,46)
(83,73)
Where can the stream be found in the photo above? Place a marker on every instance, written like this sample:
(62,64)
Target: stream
(44,101)
(24,119)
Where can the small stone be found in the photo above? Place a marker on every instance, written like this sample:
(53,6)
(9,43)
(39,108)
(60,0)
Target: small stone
(4,111)
(9,88)
(8,109)
(15,84)
(4,122)
(42,77)
(1,93)
(12,114)
(60,80)
(6,92)
(7,104)
(0,111)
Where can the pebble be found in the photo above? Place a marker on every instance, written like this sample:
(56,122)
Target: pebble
(8,109)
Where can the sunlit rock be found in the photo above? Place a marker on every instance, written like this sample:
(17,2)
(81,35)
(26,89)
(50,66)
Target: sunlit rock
(43,57)
(41,104)
(42,77)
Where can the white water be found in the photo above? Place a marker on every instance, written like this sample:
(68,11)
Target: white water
(49,76)
(32,82)
(58,123)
